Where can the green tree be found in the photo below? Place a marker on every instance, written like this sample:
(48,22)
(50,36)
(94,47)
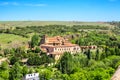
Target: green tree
(35,60)
(45,74)
(80,60)
(117,51)
(99,74)
(91,62)
(4,66)
(4,71)
(88,53)
(65,77)
(103,55)
(6,51)
(15,72)
(34,40)
(13,60)
(24,70)
(37,50)
(82,75)
(97,55)
(57,75)
(66,63)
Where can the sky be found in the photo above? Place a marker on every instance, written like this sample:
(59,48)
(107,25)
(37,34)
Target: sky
(60,10)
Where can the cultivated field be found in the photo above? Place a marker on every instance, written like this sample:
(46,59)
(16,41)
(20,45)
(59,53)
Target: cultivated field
(42,23)
(11,40)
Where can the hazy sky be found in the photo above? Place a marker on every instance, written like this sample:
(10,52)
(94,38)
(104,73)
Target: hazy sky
(60,10)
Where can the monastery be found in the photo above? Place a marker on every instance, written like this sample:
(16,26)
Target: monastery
(57,45)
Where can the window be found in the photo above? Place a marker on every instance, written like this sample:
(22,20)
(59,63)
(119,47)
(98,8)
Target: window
(74,48)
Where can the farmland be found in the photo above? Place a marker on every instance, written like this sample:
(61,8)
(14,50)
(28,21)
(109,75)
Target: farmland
(7,40)
(43,23)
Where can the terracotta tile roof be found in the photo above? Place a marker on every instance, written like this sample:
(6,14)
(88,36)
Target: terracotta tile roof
(44,49)
(45,45)
(65,45)
(55,39)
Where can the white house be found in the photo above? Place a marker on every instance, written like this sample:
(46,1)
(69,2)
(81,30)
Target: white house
(33,76)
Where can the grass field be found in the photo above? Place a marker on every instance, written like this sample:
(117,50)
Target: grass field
(42,23)
(7,40)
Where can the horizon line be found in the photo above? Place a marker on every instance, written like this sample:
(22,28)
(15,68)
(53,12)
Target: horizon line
(57,21)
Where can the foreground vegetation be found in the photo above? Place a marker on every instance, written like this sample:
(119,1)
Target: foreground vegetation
(99,64)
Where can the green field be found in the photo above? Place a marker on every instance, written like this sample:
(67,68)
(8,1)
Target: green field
(42,23)
(7,40)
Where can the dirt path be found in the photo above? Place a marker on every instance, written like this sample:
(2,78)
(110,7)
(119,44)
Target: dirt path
(116,75)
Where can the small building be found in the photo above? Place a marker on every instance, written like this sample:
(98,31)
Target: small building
(24,61)
(3,59)
(33,76)
(84,48)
